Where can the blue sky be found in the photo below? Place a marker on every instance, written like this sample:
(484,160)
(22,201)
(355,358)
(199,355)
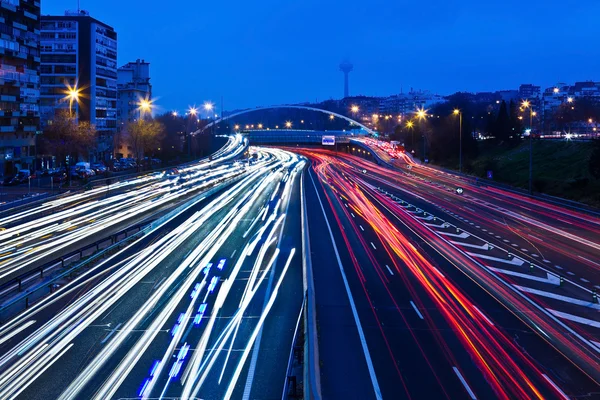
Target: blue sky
(281,51)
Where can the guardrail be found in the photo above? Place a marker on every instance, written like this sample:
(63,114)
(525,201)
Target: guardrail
(290,387)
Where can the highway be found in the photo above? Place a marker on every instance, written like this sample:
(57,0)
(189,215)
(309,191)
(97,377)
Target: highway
(47,231)
(419,292)
(425,302)
(183,316)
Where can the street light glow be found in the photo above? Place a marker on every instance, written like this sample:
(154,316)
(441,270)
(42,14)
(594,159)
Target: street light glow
(556,90)
(354,109)
(331,116)
(569,100)
(208,106)
(174,113)
(421,113)
(525,104)
(193,110)
(456,111)
(288,124)
(409,124)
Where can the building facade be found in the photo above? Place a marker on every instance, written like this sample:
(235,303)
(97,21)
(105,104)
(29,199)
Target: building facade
(133,86)
(80,52)
(19,84)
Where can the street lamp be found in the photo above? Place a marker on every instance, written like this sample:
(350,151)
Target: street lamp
(288,124)
(331,117)
(569,99)
(459,113)
(174,113)
(354,110)
(73,95)
(192,111)
(527,104)
(144,106)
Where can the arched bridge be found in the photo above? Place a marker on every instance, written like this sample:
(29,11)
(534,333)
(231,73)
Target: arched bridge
(350,120)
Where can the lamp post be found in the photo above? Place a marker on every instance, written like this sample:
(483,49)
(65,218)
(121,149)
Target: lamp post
(144,107)
(410,125)
(459,113)
(191,114)
(527,104)
(421,115)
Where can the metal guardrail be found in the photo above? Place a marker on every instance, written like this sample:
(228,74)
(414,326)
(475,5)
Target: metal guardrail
(291,383)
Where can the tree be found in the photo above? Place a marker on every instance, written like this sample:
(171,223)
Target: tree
(502,129)
(65,137)
(143,136)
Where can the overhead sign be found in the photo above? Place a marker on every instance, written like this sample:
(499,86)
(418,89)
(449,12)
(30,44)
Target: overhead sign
(328,140)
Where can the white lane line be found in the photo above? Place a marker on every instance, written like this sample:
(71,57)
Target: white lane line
(352,215)
(575,318)
(474,246)
(110,334)
(515,260)
(346,205)
(361,334)
(374,248)
(555,386)
(389,269)
(233,254)
(463,235)
(439,272)
(550,278)
(462,380)
(584,280)
(588,260)
(416,309)
(361,228)
(559,297)
(484,316)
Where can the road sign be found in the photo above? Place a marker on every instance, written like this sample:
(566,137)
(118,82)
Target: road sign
(490,174)
(328,140)
(459,190)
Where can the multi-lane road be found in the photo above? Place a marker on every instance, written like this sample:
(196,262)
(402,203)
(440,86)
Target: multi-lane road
(419,292)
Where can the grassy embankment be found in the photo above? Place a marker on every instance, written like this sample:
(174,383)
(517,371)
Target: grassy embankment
(560,168)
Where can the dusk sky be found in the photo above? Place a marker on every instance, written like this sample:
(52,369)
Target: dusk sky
(274,52)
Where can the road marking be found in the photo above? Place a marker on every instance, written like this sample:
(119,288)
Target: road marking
(555,386)
(515,260)
(427,218)
(575,318)
(483,315)
(439,272)
(361,228)
(559,297)
(374,248)
(363,340)
(463,235)
(233,254)
(588,260)
(462,380)
(352,215)
(558,266)
(389,269)
(551,279)
(416,309)
(570,273)
(474,246)
(584,280)
(110,333)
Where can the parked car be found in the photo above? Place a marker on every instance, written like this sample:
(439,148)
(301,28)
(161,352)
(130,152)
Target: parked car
(59,178)
(98,168)
(6,181)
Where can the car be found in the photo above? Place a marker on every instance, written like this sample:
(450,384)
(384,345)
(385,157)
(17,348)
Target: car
(98,168)
(59,178)
(6,181)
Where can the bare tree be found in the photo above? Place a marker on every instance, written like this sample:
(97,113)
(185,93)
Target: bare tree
(143,136)
(66,137)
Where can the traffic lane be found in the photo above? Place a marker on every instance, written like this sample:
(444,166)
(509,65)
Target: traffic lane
(574,221)
(344,371)
(499,347)
(404,354)
(568,258)
(424,351)
(90,341)
(279,327)
(571,379)
(583,356)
